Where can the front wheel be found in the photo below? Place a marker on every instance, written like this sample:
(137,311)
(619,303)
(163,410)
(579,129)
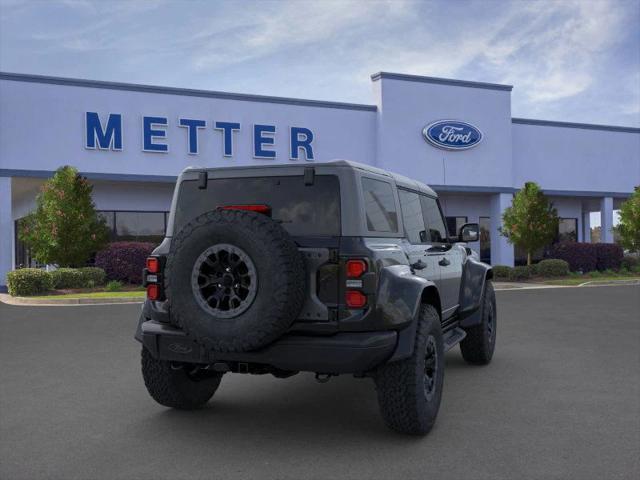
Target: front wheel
(478,346)
(180,386)
(409,391)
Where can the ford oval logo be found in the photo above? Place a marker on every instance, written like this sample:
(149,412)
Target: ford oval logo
(452,134)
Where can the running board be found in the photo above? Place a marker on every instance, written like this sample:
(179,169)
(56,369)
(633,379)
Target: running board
(453,337)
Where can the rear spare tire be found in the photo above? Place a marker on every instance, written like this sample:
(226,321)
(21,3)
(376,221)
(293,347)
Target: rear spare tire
(234,280)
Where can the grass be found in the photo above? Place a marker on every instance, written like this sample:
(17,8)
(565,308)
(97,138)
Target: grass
(127,294)
(578,280)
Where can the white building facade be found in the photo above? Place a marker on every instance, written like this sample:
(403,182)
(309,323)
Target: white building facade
(131,142)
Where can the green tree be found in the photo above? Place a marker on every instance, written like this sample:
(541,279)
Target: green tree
(65,228)
(530,222)
(629,227)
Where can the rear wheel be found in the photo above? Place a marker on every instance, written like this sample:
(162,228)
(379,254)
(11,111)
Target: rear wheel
(409,391)
(478,346)
(182,386)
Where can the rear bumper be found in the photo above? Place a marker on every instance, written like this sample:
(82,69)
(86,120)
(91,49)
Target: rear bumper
(345,352)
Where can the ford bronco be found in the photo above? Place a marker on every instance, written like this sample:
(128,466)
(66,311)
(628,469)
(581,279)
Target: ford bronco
(331,268)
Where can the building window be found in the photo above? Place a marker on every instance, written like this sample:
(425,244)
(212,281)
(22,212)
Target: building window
(380,206)
(485,239)
(136,226)
(454,224)
(412,216)
(568,230)
(433,220)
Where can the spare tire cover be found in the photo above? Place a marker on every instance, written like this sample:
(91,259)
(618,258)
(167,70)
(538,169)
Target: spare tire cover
(234,280)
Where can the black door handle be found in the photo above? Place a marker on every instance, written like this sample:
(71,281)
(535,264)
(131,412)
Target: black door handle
(419,265)
(444,262)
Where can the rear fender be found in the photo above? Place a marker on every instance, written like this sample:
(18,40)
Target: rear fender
(474,276)
(400,295)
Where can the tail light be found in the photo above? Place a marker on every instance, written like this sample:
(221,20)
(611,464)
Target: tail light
(355,269)
(152,278)
(264,209)
(356,299)
(153,291)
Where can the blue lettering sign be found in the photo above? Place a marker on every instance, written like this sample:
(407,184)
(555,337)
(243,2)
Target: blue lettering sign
(150,133)
(192,132)
(259,140)
(227,136)
(301,138)
(109,138)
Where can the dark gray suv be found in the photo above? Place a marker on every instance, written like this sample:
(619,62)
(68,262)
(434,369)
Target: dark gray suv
(329,268)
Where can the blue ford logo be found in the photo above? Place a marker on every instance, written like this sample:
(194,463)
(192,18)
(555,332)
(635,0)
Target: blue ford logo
(452,134)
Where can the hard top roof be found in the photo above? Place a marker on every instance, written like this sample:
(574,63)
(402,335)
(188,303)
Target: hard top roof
(400,180)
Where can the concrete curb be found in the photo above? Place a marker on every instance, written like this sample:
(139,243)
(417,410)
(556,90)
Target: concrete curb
(532,286)
(8,299)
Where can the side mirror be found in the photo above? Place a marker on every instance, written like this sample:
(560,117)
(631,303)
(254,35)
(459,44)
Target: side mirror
(469,232)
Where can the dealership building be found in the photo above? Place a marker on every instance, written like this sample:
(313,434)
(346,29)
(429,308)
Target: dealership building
(131,142)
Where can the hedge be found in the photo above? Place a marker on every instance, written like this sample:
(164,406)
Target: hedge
(630,263)
(124,261)
(28,281)
(66,278)
(93,276)
(520,273)
(581,257)
(609,256)
(553,268)
(501,271)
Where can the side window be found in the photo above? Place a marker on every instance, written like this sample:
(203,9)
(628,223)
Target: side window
(412,215)
(433,219)
(380,207)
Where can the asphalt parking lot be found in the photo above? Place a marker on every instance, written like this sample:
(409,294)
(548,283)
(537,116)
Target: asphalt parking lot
(560,400)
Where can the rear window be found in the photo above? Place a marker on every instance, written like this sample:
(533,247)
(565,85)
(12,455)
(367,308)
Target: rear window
(379,205)
(303,210)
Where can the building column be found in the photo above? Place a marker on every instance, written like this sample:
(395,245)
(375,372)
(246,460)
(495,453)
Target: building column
(586,227)
(6,232)
(606,220)
(501,250)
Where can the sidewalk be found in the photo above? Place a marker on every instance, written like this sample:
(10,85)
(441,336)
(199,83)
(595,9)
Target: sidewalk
(8,299)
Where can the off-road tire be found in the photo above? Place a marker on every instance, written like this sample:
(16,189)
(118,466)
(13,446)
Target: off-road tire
(478,346)
(280,280)
(173,386)
(400,385)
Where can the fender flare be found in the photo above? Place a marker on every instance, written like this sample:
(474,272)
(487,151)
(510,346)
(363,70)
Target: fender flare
(472,285)
(400,294)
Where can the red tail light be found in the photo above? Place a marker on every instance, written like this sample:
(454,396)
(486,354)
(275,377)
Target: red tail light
(265,209)
(153,265)
(153,291)
(356,299)
(356,268)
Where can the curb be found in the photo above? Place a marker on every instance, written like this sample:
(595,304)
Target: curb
(8,299)
(503,286)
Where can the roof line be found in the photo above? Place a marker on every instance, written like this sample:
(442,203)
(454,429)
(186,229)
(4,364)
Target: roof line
(585,126)
(118,177)
(440,81)
(77,82)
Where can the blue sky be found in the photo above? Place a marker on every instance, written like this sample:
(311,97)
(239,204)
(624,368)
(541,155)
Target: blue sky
(568,60)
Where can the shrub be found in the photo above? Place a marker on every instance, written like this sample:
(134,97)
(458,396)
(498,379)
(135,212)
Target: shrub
(92,276)
(519,273)
(28,281)
(609,256)
(581,257)
(66,278)
(553,268)
(629,262)
(501,271)
(534,269)
(113,286)
(124,261)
